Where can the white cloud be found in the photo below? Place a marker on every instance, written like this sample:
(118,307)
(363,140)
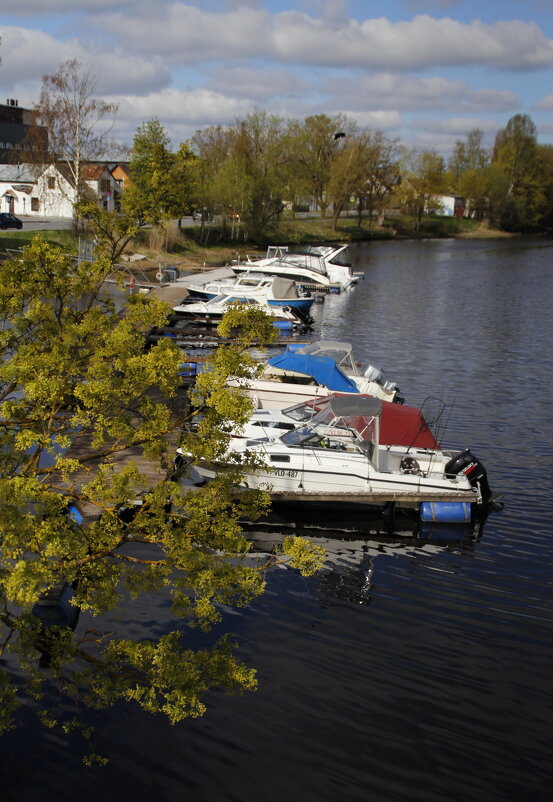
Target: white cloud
(28,54)
(382,120)
(546,104)
(413,93)
(32,8)
(442,135)
(181,112)
(456,126)
(186,33)
(260,85)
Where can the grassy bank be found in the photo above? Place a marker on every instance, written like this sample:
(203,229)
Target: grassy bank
(195,248)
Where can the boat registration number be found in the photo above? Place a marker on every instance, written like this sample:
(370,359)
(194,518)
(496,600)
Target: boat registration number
(290,474)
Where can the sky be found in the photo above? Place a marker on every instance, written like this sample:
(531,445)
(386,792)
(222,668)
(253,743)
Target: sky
(423,71)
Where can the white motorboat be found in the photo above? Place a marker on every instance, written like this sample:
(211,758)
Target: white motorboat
(337,455)
(210,312)
(322,266)
(315,371)
(274,290)
(399,424)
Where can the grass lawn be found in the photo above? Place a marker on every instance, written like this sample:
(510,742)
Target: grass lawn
(212,246)
(14,240)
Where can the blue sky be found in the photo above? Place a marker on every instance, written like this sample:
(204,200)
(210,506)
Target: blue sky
(423,71)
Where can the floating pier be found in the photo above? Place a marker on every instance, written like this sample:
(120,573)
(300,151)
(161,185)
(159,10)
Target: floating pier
(369,499)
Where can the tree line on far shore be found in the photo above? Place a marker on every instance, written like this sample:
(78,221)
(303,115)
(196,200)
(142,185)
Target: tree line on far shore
(255,169)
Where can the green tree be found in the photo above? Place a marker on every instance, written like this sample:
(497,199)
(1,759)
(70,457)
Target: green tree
(381,176)
(366,169)
(112,232)
(468,155)
(219,187)
(469,170)
(87,416)
(423,181)
(148,195)
(313,146)
(183,190)
(244,170)
(260,154)
(519,202)
(545,153)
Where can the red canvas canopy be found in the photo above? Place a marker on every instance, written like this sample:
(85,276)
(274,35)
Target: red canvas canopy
(400,425)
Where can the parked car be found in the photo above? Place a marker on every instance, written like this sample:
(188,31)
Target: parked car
(8,220)
(202,214)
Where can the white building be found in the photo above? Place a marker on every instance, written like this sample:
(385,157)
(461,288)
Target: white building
(451,205)
(35,191)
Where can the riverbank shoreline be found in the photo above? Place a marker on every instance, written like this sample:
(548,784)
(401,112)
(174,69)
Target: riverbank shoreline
(208,258)
(190,256)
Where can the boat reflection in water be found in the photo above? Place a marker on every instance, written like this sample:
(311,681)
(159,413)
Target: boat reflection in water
(353,545)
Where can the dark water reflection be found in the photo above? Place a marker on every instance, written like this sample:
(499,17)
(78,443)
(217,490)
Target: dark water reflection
(413,668)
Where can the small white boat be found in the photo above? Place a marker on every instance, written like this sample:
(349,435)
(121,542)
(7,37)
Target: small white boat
(210,312)
(399,424)
(274,290)
(315,371)
(321,266)
(337,455)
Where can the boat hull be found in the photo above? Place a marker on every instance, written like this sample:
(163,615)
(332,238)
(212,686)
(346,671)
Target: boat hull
(279,395)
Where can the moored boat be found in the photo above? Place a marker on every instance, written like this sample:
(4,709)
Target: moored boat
(326,267)
(316,370)
(276,291)
(210,312)
(338,456)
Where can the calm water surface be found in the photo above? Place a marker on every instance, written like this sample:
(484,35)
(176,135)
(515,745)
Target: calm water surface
(419,665)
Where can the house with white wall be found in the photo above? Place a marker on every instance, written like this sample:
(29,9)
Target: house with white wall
(101,186)
(451,205)
(32,190)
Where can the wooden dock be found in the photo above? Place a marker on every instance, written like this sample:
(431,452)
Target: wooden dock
(372,499)
(150,472)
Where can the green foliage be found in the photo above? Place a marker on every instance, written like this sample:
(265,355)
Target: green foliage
(89,415)
(314,145)
(146,198)
(431,226)
(423,180)
(518,184)
(112,232)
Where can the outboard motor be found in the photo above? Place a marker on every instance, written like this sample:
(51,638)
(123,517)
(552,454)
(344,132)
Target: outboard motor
(374,374)
(465,462)
(302,315)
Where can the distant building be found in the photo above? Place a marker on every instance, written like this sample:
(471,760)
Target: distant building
(19,133)
(100,184)
(35,191)
(451,205)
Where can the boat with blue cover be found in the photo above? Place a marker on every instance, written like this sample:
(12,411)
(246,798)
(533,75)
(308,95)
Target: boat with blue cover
(315,370)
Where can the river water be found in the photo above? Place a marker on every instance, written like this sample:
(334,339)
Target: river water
(419,664)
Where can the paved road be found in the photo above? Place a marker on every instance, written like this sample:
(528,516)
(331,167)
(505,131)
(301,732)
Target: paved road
(57,223)
(44,223)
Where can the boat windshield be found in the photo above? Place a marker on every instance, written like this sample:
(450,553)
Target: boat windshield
(314,263)
(301,436)
(341,259)
(299,413)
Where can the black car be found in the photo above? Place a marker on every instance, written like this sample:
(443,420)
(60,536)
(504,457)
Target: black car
(9,221)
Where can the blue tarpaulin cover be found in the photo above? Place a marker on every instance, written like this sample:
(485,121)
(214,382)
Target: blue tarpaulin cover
(323,369)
